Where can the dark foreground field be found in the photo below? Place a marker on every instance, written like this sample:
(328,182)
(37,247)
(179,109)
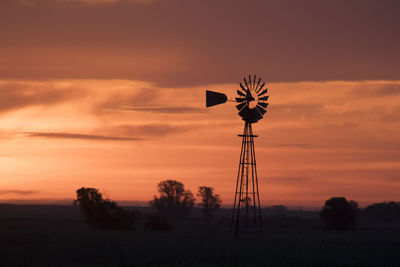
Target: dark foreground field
(57,236)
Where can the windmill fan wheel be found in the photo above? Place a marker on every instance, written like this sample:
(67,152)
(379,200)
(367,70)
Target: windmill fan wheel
(252,99)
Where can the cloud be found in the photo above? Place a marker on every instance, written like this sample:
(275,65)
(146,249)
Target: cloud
(303,146)
(50,135)
(155,129)
(377,89)
(123,132)
(148,100)
(16,95)
(29,3)
(165,109)
(94,2)
(18,192)
(294,110)
(89,2)
(393,179)
(5,134)
(141,96)
(160,43)
(286,180)
(296,107)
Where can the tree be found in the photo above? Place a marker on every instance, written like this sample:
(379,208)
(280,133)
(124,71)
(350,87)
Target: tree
(173,199)
(339,214)
(103,213)
(209,201)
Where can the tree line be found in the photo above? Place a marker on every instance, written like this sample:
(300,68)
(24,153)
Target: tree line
(173,201)
(341,214)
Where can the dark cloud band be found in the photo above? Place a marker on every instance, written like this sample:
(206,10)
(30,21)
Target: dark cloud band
(18,192)
(79,136)
(219,42)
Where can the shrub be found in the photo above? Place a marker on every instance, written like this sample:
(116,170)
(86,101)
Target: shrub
(103,214)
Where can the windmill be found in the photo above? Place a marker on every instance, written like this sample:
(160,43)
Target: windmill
(252,105)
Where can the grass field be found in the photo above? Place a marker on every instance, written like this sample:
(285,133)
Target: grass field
(57,236)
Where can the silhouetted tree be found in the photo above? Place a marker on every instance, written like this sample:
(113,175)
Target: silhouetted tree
(339,214)
(210,202)
(173,200)
(102,213)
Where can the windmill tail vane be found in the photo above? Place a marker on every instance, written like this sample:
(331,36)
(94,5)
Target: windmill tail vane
(252,103)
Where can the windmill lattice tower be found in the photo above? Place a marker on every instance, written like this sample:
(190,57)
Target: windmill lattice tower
(252,105)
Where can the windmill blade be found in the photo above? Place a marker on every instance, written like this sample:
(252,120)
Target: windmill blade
(264,98)
(264,105)
(241,106)
(258,84)
(253,116)
(250,115)
(245,82)
(241,93)
(241,86)
(260,87)
(244,112)
(250,81)
(256,115)
(239,100)
(248,94)
(215,98)
(261,110)
(263,92)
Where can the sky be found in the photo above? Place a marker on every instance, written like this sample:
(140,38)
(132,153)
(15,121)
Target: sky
(111,94)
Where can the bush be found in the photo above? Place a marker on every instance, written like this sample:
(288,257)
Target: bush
(157,223)
(103,214)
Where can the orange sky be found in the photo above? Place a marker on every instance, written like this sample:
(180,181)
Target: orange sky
(111,94)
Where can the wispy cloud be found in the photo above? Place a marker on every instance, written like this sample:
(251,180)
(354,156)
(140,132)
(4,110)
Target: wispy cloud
(123,132)
(164,109)
(155,129)
(377,89)
(303,146)
(18,192)
(50,135)
(139,96)
(16,95)
(286,180)
(149,100)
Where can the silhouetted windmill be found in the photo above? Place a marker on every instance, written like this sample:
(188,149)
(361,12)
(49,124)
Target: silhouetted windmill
(252,105)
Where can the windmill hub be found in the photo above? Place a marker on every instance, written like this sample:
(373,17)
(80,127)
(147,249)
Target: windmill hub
(253,101)
(252,105)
